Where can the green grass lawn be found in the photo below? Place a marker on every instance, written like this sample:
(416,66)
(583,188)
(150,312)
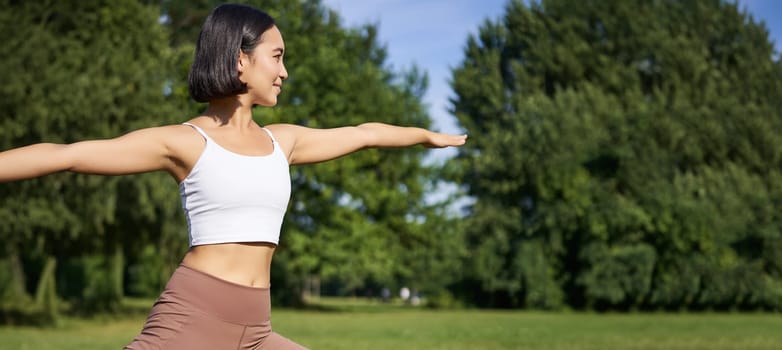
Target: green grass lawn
(371,327)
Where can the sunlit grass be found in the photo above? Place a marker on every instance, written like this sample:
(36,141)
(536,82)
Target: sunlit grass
(355,324)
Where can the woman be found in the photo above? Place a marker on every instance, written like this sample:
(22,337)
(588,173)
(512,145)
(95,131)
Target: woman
(233,178)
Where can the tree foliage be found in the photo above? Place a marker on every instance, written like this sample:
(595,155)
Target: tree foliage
(624,154)
(75,71)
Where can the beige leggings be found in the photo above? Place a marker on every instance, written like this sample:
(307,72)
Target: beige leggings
(199,311)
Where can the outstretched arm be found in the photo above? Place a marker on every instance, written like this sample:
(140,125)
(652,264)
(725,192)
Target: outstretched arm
(306,145)
(138,151)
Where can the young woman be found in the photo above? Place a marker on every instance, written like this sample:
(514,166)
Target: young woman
(233,178)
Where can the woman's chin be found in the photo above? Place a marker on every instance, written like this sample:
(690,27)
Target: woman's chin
(267,102)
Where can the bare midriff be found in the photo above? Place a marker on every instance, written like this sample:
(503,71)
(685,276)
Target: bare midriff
(247,264)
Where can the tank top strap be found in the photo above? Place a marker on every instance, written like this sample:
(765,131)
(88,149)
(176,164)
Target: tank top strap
(199,130)
(270,134)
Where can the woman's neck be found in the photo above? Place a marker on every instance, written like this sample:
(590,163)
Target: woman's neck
(230,111)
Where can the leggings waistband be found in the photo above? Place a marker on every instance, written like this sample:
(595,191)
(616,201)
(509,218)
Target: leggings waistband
(225,300)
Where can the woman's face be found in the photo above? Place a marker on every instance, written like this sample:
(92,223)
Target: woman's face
(263,70)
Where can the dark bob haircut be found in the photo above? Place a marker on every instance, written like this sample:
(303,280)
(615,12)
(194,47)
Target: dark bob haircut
(228,29)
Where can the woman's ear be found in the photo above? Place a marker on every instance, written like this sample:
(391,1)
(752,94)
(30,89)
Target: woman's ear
(242,62)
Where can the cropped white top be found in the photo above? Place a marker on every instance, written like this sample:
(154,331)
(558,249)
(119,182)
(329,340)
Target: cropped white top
(229,197)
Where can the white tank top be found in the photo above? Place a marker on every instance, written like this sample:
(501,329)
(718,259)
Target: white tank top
(229,197)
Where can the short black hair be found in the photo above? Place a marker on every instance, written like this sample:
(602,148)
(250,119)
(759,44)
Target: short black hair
(228,29)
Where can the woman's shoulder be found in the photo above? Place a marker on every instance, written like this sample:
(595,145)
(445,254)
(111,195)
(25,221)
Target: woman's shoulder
(170,131)
(285,134)
(282,127)
(282,130)
(173,136)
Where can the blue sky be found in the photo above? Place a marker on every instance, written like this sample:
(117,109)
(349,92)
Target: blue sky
(432,34)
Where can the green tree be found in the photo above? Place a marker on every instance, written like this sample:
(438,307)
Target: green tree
(77,70)
(625,154)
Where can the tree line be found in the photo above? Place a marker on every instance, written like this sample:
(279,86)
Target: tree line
(623,155)
(629,157)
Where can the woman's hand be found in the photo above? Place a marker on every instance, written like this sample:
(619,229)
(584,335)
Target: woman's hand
(440,140)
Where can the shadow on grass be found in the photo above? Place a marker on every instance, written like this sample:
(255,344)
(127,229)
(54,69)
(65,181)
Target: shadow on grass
(28,313)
